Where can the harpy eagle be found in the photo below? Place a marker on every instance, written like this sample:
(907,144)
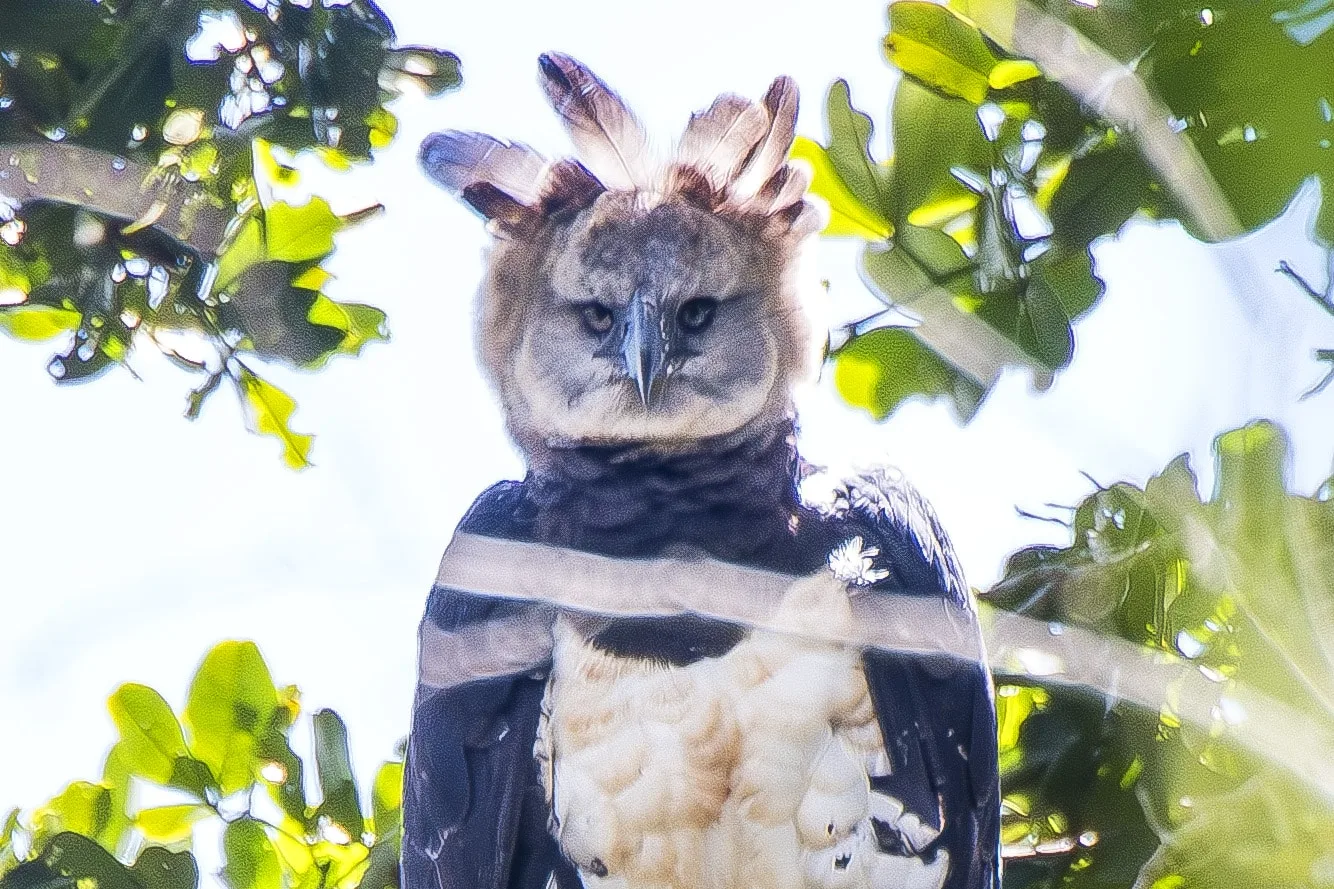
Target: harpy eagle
(644,666)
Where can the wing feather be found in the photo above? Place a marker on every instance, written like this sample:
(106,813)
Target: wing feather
(936,712)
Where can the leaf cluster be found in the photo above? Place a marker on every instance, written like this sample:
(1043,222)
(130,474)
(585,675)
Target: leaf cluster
(201,110)
(1237,593)
(1000,176)
(226,759)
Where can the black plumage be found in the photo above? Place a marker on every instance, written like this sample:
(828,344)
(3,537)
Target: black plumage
(474,810)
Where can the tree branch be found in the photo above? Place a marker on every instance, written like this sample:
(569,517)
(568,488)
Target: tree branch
(137,193)
(1116,94)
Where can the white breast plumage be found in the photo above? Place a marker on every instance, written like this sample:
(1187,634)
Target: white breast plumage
(747,770)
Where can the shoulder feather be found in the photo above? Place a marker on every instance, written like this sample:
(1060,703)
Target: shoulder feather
(889,502)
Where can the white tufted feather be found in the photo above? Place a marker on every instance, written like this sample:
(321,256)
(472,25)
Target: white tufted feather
(749,769)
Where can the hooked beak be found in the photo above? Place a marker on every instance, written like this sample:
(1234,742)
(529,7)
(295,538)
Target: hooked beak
(644,348)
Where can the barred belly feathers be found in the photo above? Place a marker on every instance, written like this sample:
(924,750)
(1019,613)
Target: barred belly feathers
(575,728)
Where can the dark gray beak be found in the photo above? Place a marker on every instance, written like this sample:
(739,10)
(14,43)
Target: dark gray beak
(644,347)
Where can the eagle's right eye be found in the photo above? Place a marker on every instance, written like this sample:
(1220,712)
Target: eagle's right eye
(597,318)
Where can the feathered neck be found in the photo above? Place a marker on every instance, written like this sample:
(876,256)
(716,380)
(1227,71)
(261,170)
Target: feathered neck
(730,496)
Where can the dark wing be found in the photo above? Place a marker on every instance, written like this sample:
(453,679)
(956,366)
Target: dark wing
(936,712)
(474,813)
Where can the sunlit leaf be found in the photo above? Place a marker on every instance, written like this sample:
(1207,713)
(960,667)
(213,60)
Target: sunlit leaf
(1009,72)
(850,152)
(848,216)
(940,48)
(151,738)
(83,808)
(387,799)
(231,700)
(269,410)
(879,370)
(170,824)
(298,233)
(361,324)
(250,861)
(38,322)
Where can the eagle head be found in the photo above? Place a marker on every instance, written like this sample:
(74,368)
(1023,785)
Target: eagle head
(631,302)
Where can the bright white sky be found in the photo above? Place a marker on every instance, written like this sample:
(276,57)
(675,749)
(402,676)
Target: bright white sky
(131,539)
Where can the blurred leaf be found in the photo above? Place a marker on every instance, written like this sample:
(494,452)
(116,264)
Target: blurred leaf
(848,216)
(159,868)
(1241,585)
(934,135)
(433,70)
(71,861)
(880,369)
(935,45)
(360,324)
(38,322)
(387,800)
(850,152)
(82,808)
(231,699)
(170,824)
(283,771)
(333,765)
(343,865)
(151,738)
(250,861)
(296,234)
(269,409)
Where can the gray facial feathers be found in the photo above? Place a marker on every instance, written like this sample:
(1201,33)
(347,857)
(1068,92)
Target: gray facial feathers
(631,300)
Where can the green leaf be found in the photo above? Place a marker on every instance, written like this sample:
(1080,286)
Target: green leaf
(850,152)
(34,322)
(879,370)
(82,808)
(158,868)
(1010,72)
(950,327)
(170,824)
(387,800)
(1241,586)
(70,859)
(269,410)
(1099,192)
(939,48)
(333,765)
(250,861)
(361,324)
(933,136)
(151,738)
(231,699)
(300,233)
(245,248)
(848,216)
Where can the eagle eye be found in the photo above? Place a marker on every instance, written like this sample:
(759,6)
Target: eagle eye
(697,314)
(597,317)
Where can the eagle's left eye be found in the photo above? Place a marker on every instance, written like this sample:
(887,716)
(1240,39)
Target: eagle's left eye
(597,318)
(697,314)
